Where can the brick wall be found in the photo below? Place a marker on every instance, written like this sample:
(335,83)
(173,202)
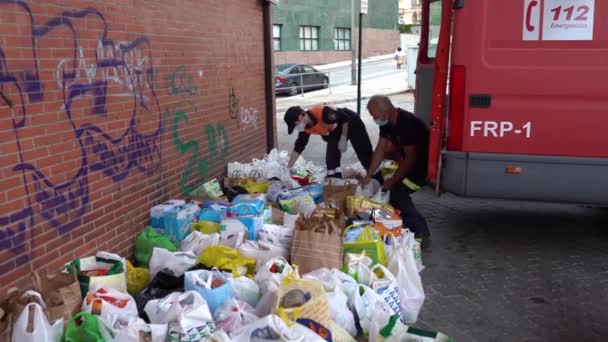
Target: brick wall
(380,42)
(311,57)
(117,106)
(376,42)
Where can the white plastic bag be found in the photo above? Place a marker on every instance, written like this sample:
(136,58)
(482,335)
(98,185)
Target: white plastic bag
(177,262)
(353,171)
(104,301)
(339,312)
(272,328)
(402,264)
(246,290)
(187,315)
(277,235)
(42,330)
(196,242)
(232,233)
(336,296)
(381,197)
(265,277)
(386,287)
(402,244)
(234,314)
(368,190)
(369,308)
(262,251)
(218,336)
(358,266)
(289,220)
(116,328)
(326,277)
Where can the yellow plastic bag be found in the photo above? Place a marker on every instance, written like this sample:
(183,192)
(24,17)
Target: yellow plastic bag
(360,202)
(256,187)
(137,278)
(368,242)
(226,258)
(314,313)
(206,227)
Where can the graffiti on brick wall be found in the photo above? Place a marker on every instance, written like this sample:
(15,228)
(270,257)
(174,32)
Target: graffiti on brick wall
(244,117)
(181,82)
(248,117)
(108,104)
(181,86)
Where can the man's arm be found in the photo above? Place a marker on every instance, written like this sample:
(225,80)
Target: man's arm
(299,147)
(404,167)
(292,160)
(377,158)
(345,129)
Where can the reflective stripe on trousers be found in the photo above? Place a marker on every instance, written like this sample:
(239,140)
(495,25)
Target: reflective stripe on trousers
(411,185)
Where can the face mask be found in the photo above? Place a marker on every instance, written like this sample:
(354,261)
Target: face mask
(301,127)
(381,122)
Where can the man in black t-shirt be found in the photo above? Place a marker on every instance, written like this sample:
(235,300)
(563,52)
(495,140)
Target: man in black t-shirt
(404,138)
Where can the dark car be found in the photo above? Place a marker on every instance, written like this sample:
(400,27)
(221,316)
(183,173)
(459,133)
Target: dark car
(290,78)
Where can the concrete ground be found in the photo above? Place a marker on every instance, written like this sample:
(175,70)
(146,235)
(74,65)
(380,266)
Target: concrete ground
(505,270)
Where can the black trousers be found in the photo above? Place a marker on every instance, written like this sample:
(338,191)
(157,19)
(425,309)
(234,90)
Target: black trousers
(358,137)
(412,218)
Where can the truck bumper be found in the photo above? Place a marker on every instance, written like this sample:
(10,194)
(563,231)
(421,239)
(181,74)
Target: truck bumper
(526,177)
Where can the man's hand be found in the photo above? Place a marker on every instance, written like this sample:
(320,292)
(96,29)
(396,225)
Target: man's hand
(343,144)
(365,180)
(388,184)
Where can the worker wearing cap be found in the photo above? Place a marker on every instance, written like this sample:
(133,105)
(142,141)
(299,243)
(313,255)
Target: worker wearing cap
(405,139)
(336,127)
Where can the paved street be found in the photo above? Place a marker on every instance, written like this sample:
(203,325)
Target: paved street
(505,271)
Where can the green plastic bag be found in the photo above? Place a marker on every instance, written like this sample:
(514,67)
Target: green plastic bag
(145,243)
(84,327)
(103,268)
(368,242)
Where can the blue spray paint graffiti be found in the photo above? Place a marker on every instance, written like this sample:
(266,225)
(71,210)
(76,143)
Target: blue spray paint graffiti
(116,70)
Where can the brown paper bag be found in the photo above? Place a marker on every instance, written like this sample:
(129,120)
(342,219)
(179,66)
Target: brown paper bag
(317,241)
(61,292)
(277,216)
(335,196)
(6,320)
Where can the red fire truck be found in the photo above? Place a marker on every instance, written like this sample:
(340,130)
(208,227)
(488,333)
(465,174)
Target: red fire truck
(516,96)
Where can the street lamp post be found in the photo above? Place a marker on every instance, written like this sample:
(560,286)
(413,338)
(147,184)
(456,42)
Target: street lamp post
(362,11)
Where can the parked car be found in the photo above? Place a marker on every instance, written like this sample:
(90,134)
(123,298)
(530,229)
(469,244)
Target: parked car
(290,78)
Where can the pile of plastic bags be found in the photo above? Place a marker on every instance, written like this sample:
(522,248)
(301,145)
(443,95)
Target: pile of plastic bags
(272,254)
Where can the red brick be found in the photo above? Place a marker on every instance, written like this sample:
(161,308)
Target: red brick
(198,35)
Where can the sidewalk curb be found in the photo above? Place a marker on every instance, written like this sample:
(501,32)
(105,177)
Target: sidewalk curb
(282,109)
(348,63)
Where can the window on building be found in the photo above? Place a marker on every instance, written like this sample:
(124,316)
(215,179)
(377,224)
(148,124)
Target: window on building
(342,38)
(276,36)
(309,38)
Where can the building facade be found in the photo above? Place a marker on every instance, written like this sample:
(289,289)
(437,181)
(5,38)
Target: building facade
(410,12)
(319,31)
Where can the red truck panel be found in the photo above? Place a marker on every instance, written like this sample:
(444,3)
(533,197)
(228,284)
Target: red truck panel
(549,93)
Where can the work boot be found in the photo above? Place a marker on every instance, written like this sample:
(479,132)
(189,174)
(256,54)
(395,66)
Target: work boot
(425,241)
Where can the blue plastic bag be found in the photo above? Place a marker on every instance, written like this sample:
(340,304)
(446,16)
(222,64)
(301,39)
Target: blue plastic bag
(316,191)
(201,281)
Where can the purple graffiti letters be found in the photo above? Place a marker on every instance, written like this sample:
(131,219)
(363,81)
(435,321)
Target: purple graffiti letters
(90,79)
